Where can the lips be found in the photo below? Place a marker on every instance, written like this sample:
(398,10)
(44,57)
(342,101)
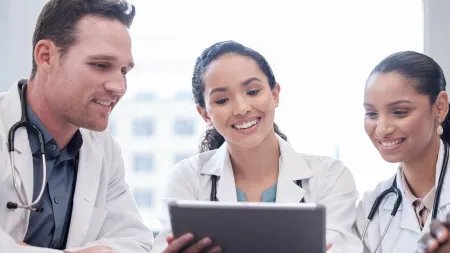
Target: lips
(102,102)
(391,143)
(246,125)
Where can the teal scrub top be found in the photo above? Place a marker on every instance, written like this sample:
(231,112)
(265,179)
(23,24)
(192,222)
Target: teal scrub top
(269,195)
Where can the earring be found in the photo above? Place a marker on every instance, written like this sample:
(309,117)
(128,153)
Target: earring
(439,129)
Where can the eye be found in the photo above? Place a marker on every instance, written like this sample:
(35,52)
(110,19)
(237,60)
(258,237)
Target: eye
(400,113)
(253,92)
(222,101)
(371,115)
(100,66)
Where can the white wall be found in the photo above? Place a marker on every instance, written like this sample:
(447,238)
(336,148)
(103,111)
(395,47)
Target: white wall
(17,21)
(437,33)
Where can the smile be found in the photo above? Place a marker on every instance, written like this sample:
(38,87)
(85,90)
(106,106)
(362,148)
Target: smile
(246,125)
(392,143)
(101,102)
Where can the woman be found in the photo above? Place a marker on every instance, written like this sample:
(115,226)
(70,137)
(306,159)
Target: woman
(236,95)
(406,118)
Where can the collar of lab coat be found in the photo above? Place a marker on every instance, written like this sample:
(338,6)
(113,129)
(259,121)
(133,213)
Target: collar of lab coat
(89,167)
(408,211)
(292,167)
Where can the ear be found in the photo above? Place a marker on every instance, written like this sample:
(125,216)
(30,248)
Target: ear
(276,94)
(441,105)
(45,55)
(204,114)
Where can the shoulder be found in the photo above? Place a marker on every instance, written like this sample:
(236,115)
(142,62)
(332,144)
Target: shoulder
(190,167)
(369,196)
(324,166)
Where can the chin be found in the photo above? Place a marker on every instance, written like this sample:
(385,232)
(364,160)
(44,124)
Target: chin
(249,142)
(392,158)
(97,126)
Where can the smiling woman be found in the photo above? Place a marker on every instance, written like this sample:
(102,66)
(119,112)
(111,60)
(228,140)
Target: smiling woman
(244,157)
(407,121)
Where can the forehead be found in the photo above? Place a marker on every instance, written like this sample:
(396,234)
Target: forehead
(101,35)
(231,69)
(389,87)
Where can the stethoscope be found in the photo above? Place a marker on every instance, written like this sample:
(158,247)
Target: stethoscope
(398,201)
(24,122)
(214,179)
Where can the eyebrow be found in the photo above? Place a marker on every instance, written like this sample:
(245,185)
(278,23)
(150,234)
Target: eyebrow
(392,103)
(103,57)
(244,83)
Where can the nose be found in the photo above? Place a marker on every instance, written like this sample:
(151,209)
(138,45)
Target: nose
(384,127)
(117,85)
(241,106)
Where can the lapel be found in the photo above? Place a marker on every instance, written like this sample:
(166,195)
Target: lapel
(88,179)
(10,111)
(220,165)
(292,168)
(405,212)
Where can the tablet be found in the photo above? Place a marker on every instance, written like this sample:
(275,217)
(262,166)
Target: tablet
(252,227)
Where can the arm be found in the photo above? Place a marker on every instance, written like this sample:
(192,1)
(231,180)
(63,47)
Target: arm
(176,186)
(123,229)
(8,245)
(180,184)
(339,197)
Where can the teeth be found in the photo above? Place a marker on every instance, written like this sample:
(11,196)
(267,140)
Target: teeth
(246,124)
(390,144)
(101,102)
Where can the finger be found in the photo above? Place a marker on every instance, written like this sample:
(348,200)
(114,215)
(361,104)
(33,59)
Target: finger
(329,245)
(216,249)
(179,243)
(439,231)
(427,243)
(169,238)
(199,246)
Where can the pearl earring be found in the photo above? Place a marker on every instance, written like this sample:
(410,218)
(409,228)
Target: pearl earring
(439,129)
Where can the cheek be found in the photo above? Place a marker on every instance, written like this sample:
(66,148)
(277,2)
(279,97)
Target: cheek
(218,115)
(369,127)
(418,128)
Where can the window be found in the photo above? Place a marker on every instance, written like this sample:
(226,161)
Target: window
(181,95)
(143,163)
(184,127)
(145,96)
(143,127)
(143,197)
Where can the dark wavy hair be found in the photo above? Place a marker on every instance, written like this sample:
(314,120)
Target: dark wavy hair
(213,139)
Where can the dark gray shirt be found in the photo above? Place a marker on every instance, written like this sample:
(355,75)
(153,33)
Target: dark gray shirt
(49,228)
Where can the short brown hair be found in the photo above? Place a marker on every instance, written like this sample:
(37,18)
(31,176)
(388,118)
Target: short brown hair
(58,19)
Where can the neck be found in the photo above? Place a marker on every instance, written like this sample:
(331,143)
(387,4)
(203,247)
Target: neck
(256,164)
(421,172)
(61,130)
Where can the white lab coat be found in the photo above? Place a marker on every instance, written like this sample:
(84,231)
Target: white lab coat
(404,231)
(104,211)
(326,181)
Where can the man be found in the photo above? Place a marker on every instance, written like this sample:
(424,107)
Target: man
(82,53)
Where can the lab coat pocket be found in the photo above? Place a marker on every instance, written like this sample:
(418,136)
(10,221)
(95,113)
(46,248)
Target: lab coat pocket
(11,220)
(96,224)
